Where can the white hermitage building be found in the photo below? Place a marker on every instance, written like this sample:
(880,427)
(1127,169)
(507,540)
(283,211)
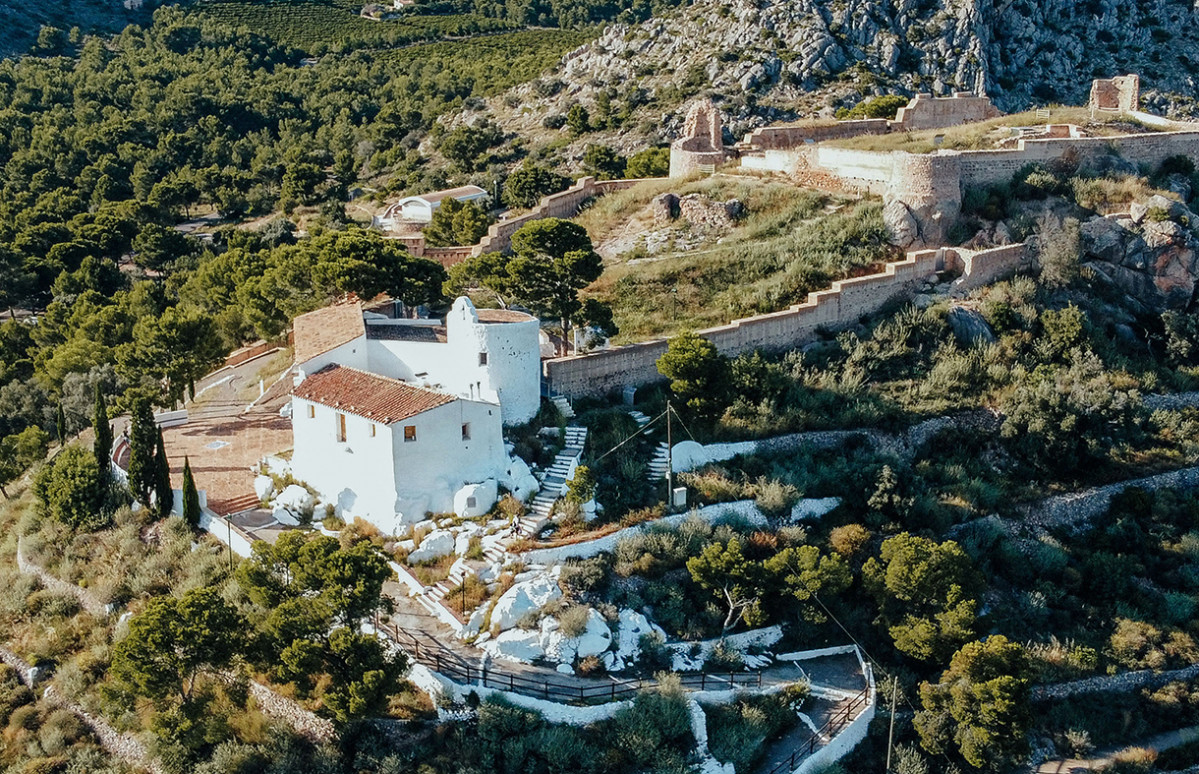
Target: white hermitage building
(396,418)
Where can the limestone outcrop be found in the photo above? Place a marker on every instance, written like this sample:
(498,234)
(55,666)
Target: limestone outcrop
(765,63)
(1152,253)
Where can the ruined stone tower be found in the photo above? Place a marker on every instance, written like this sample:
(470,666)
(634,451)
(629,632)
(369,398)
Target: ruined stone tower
(702,143)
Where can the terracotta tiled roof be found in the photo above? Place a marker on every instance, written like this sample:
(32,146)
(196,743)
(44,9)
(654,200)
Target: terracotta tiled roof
(318,332)
(378,398)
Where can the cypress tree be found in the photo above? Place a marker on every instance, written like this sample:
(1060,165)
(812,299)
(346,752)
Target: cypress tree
(102,446)
(61,425)
(142,440)
(191,496)
(163,499)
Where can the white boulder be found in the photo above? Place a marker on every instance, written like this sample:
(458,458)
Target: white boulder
(524,598)
(516,645)
(519,479)
(295,499)
(595,639)
(433,546)
(813,508)
(264,487)
(632,627)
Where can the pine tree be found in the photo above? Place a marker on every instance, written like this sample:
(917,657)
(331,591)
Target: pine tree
(61,425)
(163,498)
(142,438)
(191,496)
(102,446)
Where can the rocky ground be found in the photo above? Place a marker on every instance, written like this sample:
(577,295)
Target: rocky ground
(766,62)
(21,21)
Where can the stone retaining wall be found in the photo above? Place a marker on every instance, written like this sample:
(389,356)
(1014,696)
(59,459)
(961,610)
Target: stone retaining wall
(127,747)
(1121,683)
(306,723)
(560,205)
(841,306)
(1079,507)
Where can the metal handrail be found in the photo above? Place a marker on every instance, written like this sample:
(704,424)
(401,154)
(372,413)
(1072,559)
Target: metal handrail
(441,659)
(833,726)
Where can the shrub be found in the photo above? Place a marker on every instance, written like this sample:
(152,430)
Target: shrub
(573,620)
(774,497)
(884,106)
(848,539)
(590,665)
(724,658)
(69,490)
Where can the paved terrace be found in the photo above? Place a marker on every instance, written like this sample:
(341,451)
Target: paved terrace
(223,440)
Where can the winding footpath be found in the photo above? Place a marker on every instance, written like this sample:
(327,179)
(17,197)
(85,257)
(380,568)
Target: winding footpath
(125,746)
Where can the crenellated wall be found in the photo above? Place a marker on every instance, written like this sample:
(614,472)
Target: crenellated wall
(839,307)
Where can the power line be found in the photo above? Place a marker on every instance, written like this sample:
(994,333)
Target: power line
(641,430)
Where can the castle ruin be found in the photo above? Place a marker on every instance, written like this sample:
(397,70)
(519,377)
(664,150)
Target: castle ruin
(923,191)
(702,145)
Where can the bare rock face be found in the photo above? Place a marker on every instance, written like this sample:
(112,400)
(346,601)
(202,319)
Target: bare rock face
(1152,255)
(899,221)
(969,326)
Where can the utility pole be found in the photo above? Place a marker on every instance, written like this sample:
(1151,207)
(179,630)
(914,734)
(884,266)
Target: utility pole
(891,732)
(669,462)
(229,529)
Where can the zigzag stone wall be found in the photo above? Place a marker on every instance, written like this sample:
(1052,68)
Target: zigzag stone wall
(839,307)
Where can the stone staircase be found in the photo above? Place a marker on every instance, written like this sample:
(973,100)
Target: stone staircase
(563,406)
(660,462)
(641,419)
(553,480)
(437,591)
(237,505)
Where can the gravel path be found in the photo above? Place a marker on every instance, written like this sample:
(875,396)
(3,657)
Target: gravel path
(86,599)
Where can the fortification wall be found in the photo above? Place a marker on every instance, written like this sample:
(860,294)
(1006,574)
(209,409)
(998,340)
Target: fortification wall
(927,112)
(565,204)
(684,163)
(448,256)
(841,306)
(789,137)
(870,171)
(987,167)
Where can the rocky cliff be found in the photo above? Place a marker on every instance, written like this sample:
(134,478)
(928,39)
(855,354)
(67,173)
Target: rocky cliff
(1152,253)
(766,61)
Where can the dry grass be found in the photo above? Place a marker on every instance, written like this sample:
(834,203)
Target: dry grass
(434,571)
(985,134)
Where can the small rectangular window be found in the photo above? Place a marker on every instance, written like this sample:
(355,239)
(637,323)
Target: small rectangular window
(466,431)
(311,412)
(409,433)
(341,427)
(482,358)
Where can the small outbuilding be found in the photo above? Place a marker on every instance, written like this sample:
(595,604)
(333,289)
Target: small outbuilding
(420,209)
